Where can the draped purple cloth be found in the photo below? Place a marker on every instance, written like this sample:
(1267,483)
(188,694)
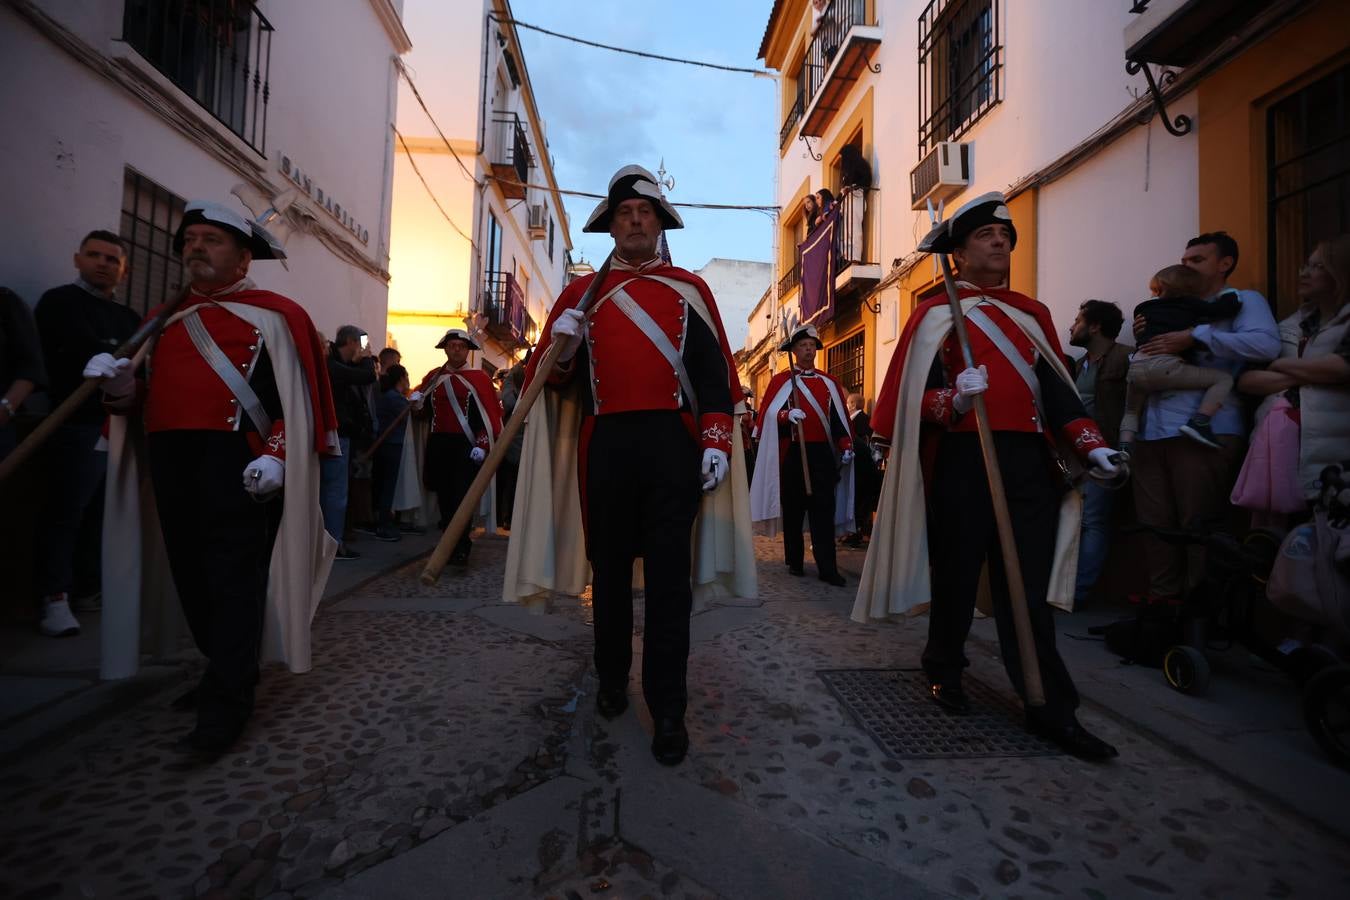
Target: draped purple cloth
(817,259)
(515,308)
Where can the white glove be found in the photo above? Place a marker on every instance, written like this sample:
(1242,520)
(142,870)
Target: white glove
(118,380)
(846,457)
(796,416)
(567,332)
(415,398)
(1100,457)
(715,468)
(264,475)
(969,383)
(877,455)
(478,454)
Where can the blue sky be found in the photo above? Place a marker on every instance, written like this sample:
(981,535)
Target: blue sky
(604,110)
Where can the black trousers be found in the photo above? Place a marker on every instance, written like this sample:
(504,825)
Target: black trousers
(962,533)
(449,472)
(818,509)
(642,494)
(219,543)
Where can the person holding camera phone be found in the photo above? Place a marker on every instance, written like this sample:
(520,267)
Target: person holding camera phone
(352,369)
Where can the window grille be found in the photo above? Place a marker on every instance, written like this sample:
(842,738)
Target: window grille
(1308,184)
(845,361)
(218,52)
(150,216)
(960,67)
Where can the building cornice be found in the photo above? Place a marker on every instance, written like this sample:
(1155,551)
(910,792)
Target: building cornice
(781,27)
(393,25)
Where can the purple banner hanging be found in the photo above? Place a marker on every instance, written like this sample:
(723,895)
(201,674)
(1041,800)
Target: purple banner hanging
(817,260)
(515,309)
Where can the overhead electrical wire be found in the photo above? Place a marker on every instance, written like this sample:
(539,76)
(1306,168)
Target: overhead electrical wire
(420,177)
(673,59)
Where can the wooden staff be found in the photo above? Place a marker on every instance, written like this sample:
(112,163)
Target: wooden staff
(398,420)
(797,402)
(460,521)
(1026,642)
(77,398)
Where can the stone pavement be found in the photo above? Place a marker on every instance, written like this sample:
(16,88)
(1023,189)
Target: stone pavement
(446,745)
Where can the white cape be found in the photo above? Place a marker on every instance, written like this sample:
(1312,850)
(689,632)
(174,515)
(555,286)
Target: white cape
(895,578)
(766,501)
(138,592)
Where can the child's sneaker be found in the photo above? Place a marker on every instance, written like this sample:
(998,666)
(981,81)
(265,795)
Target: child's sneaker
(1197,429)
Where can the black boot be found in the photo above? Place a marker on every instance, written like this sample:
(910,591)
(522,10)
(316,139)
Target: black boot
(670,743)
(1073,739)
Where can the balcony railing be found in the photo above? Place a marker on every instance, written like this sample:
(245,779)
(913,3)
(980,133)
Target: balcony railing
(504,306)
(793,117)
(852,243)
(218,52)
(791,278)
(511,158)
(835,60)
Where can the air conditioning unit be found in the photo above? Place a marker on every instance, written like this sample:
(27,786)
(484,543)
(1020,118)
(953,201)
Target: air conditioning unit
(538,221)
(942,174)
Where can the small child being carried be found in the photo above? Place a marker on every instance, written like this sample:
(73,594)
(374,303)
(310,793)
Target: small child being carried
(1176,306)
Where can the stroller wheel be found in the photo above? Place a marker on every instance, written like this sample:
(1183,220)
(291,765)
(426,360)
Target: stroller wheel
(1186,669)
(1326,710)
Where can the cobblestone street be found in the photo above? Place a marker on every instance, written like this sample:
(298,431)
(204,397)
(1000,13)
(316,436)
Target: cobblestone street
(445,745)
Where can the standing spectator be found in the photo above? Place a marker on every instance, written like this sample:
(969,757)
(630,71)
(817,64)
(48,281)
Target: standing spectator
(1313,370)
(1100,378)
(748,430)
(866,476)
(76,321)
(810,212)
(509,470)
(855,175)
(1178,483)
(351,369)
(21,370)
(389,408)
(388,358)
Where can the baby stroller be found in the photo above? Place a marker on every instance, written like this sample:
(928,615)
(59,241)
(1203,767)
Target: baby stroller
(1238,572)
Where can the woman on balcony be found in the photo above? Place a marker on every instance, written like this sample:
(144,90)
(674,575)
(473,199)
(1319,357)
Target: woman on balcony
(855,176)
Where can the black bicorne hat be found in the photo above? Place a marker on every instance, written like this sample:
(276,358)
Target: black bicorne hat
(986,209)
(632,183)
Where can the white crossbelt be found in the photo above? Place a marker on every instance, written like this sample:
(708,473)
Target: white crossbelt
(815,405)
(647,325)
(220,364)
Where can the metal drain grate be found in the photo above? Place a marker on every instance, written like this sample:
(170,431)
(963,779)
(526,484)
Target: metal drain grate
(892,705)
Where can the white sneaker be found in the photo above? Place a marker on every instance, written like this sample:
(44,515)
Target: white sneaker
(57,619)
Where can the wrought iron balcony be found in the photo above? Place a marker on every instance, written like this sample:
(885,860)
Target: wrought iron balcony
(790,279)
(793,117)
(845,38)
(1180,32)
(504,306)
(218,52)
(511,156)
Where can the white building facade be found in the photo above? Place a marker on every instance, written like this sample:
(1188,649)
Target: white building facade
(119,111)
(480,236)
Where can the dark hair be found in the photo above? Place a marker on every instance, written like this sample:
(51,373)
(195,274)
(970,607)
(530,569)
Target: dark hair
(1106,316)
(101,234)
(1221,240)
(854,170)
(392,376)
(826,197)
(346,334)
(1178,281)
(388,352)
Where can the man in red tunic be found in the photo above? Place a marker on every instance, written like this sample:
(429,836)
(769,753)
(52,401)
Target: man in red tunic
(466,417)
(651,362)
(225,400)
(803,401)
(924,408)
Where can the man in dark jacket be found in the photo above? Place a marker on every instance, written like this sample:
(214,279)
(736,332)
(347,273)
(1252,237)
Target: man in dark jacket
(76,321)
(352,370)
(1100,377)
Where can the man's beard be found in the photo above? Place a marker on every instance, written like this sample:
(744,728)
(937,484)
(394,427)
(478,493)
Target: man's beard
(201,270)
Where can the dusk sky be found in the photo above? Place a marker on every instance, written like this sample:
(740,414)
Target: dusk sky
(715,129)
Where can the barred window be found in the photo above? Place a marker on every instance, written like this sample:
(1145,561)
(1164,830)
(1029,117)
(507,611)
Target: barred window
(150,216)
(845,361)
(960,67)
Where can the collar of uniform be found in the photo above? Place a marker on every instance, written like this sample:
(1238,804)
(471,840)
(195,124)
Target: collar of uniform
(620,264)
(90,289)
(804,373)
(243,284)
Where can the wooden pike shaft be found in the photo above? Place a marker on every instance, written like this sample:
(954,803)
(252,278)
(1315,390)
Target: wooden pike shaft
(1026,641)
(801,428)
(460,521)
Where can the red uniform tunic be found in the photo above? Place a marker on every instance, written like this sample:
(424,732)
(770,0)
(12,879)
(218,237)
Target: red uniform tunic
(183,392)
(443,418)
(817,383)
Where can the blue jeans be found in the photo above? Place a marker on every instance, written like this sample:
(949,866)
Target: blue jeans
(1095,537)
(333,489)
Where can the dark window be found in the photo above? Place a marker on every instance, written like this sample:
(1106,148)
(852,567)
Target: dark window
(1308,200)
(218,52)
(150,216)
(550,239)
(960,67)
(495,283)
(845,361)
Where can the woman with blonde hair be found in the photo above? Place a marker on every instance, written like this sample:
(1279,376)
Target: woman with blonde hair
(1313,370)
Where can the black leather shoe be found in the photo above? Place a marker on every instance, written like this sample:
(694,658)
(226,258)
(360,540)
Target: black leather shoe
(670,743)
(796,570)
(1074,740)
(950,697)
(835,579)
(611,703)
(212,740)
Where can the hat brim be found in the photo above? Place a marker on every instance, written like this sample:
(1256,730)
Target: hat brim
(636,189)
(440,345)
(800,334)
